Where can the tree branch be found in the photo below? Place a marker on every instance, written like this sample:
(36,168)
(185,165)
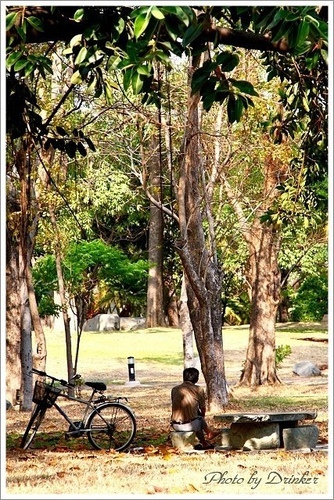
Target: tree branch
(245,39)
(61,26)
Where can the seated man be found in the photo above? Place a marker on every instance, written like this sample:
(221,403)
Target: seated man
(189,407)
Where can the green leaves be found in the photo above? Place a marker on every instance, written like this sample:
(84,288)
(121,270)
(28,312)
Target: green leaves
(11,20)
(81,56)
(13,58)
(191,34)
(36,23)
(244,86)
(144,17)
(70,143)
(227,60)
(140,25)
(27,64)
(95,259)
(21,24)
(136,82)
(235,107)
(79,15)
(214,85)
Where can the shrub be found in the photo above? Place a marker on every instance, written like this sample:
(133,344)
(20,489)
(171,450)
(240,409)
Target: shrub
(311,300)
(282,351)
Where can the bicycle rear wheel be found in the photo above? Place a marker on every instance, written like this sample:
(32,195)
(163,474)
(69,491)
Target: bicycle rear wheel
(111,426)
(33,425)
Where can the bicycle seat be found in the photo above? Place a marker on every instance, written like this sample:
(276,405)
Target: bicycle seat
(99,386)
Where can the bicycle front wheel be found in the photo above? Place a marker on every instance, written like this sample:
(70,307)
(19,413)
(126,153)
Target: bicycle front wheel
(33,426)
(111,426)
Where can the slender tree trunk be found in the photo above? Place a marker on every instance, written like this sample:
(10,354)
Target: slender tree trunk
(155,315)
(81,308)
(26,345)
(63,301)
(187,328)
(283,308)
(200,266)
(28,230)
(13,316)
(172,312)
(39,357)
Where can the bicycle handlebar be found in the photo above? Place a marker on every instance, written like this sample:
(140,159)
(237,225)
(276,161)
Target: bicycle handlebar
(44,374)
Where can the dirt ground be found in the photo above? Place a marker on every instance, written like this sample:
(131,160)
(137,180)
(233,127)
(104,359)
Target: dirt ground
(152,467)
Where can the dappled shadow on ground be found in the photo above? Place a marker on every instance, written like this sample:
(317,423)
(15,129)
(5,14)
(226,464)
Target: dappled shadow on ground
(151,400)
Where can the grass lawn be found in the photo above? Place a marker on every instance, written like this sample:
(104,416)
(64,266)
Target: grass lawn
(54,466)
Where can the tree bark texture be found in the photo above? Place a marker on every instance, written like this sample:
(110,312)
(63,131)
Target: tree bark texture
(27,388)
(264,276)
(186,327)
(28,230)
(63,301)
(155,315)
(263,241)
(203,277)
(13,317)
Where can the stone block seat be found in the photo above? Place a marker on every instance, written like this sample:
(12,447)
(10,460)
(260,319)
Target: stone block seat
(183,440)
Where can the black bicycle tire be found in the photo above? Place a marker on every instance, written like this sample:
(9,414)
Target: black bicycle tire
(37,418)
(121,431)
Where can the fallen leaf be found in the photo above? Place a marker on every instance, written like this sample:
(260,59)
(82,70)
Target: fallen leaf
(318,471)
(191,487)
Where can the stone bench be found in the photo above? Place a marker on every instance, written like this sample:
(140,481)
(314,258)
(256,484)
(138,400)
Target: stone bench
(264,431)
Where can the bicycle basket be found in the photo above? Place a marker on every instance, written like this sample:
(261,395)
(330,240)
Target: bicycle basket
(44,393)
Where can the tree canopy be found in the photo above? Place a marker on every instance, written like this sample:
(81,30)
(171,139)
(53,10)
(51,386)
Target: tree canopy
(134,39)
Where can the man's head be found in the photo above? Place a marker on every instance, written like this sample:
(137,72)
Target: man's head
(190,375)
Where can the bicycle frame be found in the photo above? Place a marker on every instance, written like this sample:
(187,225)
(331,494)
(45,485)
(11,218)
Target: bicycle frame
(90,406)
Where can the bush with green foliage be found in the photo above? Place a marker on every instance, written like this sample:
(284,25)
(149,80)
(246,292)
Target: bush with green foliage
(311,300)
(87,267)
(281,352)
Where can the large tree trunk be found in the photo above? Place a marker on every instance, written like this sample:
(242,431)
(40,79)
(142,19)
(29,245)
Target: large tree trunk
(22,310)
(264,276)
(203,276)
(263,241)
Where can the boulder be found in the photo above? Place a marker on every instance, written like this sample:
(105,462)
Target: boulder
(102,323)
(131,323)
(306,369)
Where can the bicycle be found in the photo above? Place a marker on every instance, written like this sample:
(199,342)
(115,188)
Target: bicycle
(108,422)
